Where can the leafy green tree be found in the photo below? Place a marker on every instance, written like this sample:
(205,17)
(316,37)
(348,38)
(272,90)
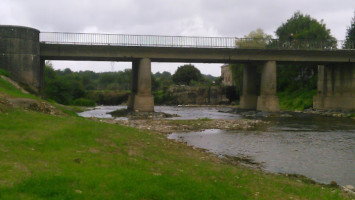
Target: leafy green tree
(254,40)
(56,88)
(185,74)
(303,27)
(155,83)
(161,81)
(350,35)
(166,75)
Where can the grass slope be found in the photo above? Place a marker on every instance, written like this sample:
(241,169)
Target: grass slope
(50,157)
(67,157)
(6,89)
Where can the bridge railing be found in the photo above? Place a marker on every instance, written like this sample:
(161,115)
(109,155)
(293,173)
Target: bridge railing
(188,41)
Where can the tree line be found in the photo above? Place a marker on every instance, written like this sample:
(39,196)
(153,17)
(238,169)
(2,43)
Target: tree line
(87,88)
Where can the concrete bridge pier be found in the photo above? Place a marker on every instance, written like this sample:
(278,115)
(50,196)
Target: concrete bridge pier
(141,98)
(248,100)
(335,87)
(268,101)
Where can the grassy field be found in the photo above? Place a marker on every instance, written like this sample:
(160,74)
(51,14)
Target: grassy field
(67,157)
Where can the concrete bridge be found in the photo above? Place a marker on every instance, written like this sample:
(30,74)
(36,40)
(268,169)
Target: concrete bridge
(23,52)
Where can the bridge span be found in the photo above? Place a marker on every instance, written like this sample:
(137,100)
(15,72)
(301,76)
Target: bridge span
(23,52)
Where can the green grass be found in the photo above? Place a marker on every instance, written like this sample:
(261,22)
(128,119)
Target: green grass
(11,91)
(296,100)
(51,157)
(68,157)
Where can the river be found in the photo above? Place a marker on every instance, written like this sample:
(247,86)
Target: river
(321,148)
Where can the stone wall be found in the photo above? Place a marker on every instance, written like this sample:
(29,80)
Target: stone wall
(199,95)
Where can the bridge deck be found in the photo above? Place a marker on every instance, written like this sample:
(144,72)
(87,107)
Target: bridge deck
(184,54)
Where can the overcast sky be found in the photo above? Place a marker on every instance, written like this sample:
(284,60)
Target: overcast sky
(169,17)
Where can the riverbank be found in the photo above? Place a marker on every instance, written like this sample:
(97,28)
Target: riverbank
(62,156)
(75,158)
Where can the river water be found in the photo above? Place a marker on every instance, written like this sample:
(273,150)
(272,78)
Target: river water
(321,148)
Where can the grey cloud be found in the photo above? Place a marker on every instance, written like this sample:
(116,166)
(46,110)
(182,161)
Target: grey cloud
(172,17)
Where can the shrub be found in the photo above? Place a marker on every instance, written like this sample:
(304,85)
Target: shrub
(83,102)
(161,97)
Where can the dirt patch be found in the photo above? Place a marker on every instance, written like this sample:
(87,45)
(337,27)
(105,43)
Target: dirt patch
(5,105)
(33,105)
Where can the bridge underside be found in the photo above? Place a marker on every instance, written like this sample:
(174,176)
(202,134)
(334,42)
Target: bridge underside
(336,80)
(336,86)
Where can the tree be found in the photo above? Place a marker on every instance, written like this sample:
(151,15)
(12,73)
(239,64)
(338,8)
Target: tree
(303,27)
(185,74)
(163,80)
(255,39)
(350,35)
(306,29)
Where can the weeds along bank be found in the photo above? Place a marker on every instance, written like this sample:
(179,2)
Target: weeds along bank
(60,156)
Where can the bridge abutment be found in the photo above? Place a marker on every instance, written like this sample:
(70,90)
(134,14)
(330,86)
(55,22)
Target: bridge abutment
(268,101)
(248,100)
(335,87)
(20,55)
(141,98)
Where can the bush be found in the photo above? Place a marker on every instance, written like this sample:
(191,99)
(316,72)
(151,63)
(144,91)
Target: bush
(296,100)
(161,97)
(109,97)
(83,102)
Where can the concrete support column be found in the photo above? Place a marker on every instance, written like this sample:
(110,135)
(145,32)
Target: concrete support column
(336,87)
(42,65)
(268,101)
(318,101)
(134,83)
(141,99)
(248,100)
